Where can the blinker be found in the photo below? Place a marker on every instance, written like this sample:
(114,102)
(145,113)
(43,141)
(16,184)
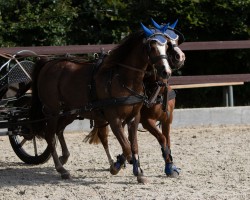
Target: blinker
(158,38)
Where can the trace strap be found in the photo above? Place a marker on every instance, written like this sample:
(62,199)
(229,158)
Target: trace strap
(127,100)
(115,101)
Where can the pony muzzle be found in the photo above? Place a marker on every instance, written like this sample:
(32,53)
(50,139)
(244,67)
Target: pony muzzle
(163,73)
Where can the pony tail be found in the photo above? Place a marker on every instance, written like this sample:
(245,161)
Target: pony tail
(92,137)
(36,105)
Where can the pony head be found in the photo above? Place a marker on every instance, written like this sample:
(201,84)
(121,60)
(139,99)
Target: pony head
(176,56)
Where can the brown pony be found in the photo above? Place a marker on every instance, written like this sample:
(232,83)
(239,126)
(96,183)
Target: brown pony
(110,90)
(161,110)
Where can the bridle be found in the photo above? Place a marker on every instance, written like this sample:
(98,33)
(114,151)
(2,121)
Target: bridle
(157,69)
(175,58)
(153,37)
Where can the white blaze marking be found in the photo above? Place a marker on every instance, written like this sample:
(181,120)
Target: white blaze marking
(179,51)
(162,50)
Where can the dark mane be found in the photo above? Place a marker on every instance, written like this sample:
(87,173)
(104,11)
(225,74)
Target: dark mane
(120,52)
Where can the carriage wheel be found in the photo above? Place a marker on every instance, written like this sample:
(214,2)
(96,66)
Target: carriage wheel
(31,151)
(28,148)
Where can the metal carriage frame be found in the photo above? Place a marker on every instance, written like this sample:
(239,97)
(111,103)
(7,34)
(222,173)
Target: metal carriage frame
(15,99)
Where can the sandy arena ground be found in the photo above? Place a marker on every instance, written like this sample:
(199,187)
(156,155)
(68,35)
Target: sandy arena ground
(215,164)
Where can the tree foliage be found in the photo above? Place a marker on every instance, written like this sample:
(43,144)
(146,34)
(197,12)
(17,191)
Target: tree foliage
(43,22)
(54,22)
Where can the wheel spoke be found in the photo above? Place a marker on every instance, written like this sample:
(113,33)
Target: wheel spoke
(22,142)
(35,146)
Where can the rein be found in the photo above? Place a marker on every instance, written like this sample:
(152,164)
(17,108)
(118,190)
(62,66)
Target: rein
(148,102)
(148,73)
(131,68)
(5,55)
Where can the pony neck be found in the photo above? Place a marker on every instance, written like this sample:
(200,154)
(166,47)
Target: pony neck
(135,65)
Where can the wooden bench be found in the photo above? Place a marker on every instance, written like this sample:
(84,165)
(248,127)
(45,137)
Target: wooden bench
(199,85)
(227,91)
(227,81)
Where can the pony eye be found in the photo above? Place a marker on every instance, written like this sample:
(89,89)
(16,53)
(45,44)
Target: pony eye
(153,46)
(153,43)
(169,46)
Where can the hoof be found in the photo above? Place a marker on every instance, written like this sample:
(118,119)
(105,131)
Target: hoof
(173,175)
(66,176)
(116,167)
(142,179)
(172,171)
(113,170)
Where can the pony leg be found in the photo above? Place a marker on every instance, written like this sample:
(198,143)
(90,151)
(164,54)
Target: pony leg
(65,152)
(51,140)
(150,125)
(132,129)
(63,122)
(118,130)
(164,141)
(103,136)
(170,169)
(166,148)
(97,135)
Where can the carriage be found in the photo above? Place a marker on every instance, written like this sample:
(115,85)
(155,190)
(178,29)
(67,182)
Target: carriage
(15,96)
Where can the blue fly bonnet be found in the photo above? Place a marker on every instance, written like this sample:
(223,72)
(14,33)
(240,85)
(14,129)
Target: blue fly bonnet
(169,30)
(154,35)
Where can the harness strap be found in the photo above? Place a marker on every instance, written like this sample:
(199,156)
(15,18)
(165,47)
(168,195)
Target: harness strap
(95,105)
(153,97)
(131,68)
(92,85)
(147,73)
(157,58)
(165,99)
(114,102)
(5,55)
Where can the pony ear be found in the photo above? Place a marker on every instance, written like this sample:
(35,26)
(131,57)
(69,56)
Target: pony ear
(155,24)
(174,24)
(147,31)
(164,28)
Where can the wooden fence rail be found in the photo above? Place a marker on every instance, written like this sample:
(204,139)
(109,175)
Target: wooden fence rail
(180,82)
(82,49)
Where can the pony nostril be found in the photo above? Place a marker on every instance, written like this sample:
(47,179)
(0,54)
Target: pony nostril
(177,57)
(166,74)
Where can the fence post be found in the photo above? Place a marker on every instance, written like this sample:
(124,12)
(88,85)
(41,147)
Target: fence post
(228,96)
